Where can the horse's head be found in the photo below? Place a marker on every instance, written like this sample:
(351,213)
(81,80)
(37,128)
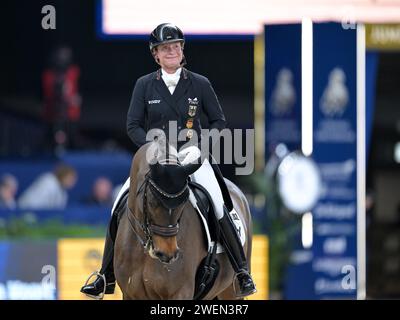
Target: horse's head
(165,193)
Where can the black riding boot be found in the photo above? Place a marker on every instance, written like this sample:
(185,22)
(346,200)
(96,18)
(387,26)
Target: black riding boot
(96,288)
(234,249)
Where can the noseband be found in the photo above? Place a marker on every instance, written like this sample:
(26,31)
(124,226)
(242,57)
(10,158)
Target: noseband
(148,227)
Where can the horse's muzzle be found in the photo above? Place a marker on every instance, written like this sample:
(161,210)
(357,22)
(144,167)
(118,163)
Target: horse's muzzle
(165,258)
(165,249)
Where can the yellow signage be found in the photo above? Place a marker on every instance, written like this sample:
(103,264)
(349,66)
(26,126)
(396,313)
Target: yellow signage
(382,36)
(260,267)
(78,258)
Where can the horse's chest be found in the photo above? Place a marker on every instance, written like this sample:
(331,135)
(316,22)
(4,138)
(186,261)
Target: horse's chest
(165,282)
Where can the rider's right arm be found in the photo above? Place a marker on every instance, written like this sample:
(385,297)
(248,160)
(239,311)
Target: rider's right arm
(135,123)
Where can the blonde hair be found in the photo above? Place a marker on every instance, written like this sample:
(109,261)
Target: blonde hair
(63,170)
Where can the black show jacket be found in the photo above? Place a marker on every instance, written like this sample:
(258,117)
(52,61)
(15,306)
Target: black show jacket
(152,105)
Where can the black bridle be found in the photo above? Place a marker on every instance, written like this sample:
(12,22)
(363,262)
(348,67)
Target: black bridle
(147,226)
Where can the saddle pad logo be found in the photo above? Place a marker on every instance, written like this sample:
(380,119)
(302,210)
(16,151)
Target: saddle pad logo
(238,225)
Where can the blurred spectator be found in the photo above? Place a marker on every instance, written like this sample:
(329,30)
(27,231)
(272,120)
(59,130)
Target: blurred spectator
(8,190)
(101,192)
(62,101)
(49,191)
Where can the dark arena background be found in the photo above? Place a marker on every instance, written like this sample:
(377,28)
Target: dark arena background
(318,84)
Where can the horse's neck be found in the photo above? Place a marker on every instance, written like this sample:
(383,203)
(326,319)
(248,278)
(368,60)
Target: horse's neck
(192,228)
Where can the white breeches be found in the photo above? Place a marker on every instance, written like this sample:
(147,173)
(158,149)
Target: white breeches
(204,176)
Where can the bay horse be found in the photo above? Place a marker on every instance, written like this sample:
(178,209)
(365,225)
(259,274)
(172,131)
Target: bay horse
(158,249)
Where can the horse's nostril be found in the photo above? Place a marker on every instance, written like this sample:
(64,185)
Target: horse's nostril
(166,258)
(163,257)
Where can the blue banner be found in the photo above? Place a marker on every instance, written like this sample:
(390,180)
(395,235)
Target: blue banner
(335,151)
(28,270)
(283,125)
(282,86)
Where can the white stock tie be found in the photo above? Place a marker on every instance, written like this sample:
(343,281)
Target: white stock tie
(171,80)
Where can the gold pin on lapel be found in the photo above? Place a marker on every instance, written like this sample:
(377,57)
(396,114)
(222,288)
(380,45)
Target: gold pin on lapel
(189,124)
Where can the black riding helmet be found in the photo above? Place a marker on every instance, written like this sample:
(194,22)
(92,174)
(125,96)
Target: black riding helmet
(165,33)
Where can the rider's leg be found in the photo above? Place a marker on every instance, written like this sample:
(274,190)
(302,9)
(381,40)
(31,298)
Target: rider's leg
(230,239)
(96,288)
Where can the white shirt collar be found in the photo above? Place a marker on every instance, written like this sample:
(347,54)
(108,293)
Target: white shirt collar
(171,80)
(176,74)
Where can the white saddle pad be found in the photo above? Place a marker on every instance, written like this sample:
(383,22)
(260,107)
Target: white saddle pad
(235,217)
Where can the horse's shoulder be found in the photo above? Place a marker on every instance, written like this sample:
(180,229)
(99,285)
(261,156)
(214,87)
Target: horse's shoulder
(236,193)
(232,187)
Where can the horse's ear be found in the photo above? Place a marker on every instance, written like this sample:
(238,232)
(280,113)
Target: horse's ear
(157,149)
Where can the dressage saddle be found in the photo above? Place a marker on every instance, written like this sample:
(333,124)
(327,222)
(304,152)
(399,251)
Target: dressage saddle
(209,268)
